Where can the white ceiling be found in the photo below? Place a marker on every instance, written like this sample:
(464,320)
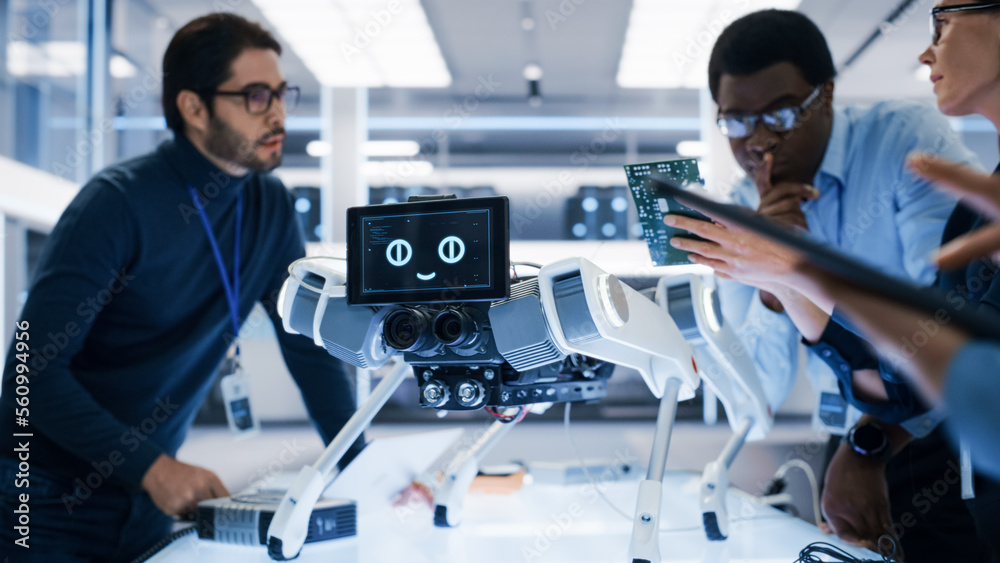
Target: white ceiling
(580,55)
(483,40)
(887,67)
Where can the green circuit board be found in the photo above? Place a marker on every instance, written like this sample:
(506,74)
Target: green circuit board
(652,206)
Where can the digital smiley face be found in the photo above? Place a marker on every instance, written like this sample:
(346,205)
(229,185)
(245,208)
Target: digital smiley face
(451,250)
(430,251)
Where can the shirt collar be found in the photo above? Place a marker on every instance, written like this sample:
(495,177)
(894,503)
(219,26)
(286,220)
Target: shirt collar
(195,169)
(836,148)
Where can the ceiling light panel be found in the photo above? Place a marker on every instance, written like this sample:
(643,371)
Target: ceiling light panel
(369,43)
(120,67)
(391,148)
(668,42)
(49,58)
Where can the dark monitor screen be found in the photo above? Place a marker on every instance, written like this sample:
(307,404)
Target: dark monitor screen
(428,251)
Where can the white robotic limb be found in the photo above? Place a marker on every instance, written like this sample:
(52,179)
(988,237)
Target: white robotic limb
(313,303)
(573,307)
(715,483)
(590,312)
(449,496)
(287,532)
(727,369)
(288,529)
(645,544)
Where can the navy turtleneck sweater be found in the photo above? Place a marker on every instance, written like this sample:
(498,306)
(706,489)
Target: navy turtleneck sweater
(128,321)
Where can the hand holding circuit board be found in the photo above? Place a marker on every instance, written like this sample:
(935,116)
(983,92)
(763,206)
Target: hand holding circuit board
(652,205)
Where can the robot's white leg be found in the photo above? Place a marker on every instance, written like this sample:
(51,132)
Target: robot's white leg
(645,545)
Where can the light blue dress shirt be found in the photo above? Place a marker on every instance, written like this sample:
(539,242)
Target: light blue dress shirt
(870,206)
(971,395)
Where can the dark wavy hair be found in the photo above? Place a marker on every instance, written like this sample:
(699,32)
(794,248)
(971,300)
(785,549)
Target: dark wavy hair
(200,55)
(768,37)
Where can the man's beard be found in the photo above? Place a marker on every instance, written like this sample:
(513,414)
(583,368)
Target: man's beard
(228,144)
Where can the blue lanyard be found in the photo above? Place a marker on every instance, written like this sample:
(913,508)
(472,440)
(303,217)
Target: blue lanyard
(232,289)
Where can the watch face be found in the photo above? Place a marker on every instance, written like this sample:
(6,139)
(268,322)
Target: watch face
(868,439)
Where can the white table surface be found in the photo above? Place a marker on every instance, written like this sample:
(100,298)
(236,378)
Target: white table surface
(545,524)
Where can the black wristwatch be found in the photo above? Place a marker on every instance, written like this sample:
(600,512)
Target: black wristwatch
(870,441)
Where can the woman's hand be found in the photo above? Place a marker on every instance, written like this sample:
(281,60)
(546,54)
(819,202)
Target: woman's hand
(979,191)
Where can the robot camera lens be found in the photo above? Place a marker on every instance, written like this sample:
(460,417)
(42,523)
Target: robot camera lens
(451,327)
(457,327)
(404,329)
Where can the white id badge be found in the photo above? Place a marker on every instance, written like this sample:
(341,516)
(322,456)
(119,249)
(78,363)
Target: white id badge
(832,414)
(236,396)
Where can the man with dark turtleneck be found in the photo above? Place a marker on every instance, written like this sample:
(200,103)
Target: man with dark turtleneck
(135,303)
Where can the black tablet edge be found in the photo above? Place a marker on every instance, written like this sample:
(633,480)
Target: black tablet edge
(928,300)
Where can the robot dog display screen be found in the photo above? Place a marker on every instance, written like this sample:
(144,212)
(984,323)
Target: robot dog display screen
(429,251)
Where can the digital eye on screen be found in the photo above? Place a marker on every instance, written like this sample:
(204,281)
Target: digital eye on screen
(451,250)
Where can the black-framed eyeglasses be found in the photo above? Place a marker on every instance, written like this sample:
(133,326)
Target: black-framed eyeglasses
(258,98)
(779,120)
(937,24)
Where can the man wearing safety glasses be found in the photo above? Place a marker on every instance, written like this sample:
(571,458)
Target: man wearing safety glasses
(840,174)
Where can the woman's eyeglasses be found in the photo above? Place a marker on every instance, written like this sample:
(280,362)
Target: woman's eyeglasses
(937,24)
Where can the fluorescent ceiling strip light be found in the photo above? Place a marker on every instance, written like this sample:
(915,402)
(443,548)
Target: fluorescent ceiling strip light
(48,58)
(668,42)
(120,67)
(390,148)
(370,43)
(319,148)
(397,168)
(59,59)
(439,125)
(692,149)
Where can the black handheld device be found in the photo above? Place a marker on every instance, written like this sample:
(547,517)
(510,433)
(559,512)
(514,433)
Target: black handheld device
(929,300)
